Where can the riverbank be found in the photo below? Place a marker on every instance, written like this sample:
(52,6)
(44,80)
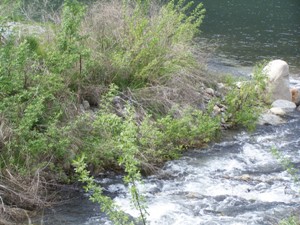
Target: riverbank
(235,181)
(238,179)
(120,96)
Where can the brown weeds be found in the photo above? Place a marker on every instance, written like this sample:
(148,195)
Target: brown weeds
(5,131)
(104,23)
(20,197)
(185,89)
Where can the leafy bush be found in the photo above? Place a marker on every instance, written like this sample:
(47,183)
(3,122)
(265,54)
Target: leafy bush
(153,141)
(43,84)
(106,203)
(292,220)
(245,99)
(35,99)
(29,102)
(139,45)
(191,130)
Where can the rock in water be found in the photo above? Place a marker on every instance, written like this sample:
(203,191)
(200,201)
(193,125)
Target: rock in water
(278,111)
(270,119)
(278,87)
(295,96)
(285,105)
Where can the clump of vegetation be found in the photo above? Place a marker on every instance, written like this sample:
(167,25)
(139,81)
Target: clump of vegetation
(286,164)
(142,43)
(292,220)
(107,205)
(245,99)
(133,65)
(290,168)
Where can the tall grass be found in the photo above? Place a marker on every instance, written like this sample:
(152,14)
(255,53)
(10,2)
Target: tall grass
(141,45)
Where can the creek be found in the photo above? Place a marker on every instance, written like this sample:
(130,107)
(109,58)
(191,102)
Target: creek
(235,181)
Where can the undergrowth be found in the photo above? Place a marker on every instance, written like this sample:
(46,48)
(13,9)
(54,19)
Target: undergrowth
(114,56)
(292,220)
(246,99)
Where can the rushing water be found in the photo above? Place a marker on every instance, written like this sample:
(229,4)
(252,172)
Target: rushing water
(236,181)
(247,32)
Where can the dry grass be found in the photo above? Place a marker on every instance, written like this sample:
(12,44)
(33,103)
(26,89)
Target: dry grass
(5,131)
(20,197)
(41,10)
(104,23)
(106,26)
(185,89)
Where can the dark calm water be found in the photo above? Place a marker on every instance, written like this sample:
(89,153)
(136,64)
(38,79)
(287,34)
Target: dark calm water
(248,31)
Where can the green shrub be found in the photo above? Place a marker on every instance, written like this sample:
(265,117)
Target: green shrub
(145,45)
(35,99)
(106,203)
(28,100)
(292,220)
(245,99)
(193,129)
(11,10)
(153,141)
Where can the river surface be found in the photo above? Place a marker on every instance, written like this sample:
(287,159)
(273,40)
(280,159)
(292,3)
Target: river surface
(237,181)
(246,32)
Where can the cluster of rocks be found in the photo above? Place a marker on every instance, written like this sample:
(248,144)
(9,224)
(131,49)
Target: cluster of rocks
(283,97)
(17,29)
(218,108)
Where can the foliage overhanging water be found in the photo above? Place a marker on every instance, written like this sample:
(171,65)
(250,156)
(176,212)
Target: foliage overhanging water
(237,181)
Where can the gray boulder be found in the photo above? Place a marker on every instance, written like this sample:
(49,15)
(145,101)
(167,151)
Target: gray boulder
(270,119)
(278,86)
(18,29)
(86,105)
(278,111)
(285,105)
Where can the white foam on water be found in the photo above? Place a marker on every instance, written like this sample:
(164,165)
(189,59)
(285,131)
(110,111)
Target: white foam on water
(159,209)
(226,164)
(126,206)
(116,188)
(255,155)
(199,189)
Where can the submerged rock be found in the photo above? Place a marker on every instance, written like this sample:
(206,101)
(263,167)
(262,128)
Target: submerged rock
(278,86)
